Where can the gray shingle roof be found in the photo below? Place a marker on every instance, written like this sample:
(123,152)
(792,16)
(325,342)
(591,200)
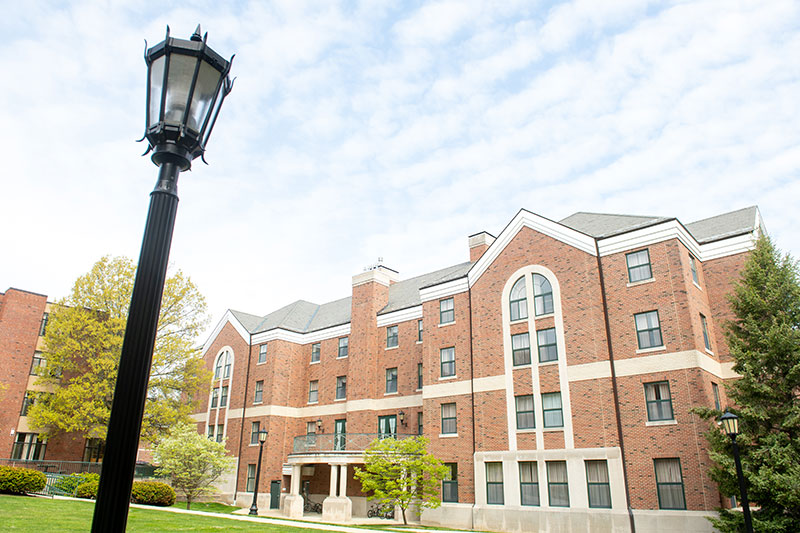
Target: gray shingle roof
(725,225)
(405,294)
(605,225)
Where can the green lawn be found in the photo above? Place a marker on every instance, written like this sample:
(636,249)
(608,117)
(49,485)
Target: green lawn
(208,507)
(25,513)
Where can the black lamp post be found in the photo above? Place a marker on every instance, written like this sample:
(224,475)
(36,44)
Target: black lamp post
(187,83)
(730,423)
(262,438)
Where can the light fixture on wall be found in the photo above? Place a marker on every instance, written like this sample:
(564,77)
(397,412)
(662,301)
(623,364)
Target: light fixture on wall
(402,417)
(319,425)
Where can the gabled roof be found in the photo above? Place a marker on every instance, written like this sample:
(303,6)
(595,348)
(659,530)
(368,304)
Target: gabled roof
(725,225)
(601,225)
(405,294)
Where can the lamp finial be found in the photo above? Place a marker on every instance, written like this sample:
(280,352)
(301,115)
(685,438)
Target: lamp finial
(196,35)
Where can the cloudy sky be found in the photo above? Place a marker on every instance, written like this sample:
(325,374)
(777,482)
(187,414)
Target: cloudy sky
(359,130)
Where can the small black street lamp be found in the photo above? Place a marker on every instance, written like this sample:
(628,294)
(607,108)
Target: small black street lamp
(730,424)
(186,84)
(402,417)
(319,425)
(262,438)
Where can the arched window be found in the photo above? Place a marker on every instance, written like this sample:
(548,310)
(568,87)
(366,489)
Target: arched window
(519,300)
(223,367)
(542,295)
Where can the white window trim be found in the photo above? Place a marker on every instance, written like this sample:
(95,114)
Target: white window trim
(652,349)
(447,378)
(314,362)
(389,348)
(672,422)
(447,324)
(447,435)
(641,282)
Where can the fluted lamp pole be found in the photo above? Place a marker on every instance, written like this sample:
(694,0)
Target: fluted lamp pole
(262,438)
(730,424)
(186,84)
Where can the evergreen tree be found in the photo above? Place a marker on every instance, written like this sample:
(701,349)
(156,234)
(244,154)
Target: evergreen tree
(764,340)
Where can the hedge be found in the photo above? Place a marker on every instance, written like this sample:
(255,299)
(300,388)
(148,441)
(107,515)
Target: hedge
(69,484)
(88,489)
(152,493)
(15,480)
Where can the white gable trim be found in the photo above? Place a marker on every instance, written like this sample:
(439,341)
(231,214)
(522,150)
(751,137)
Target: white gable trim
(442,290)
(537,223)
(395,317)
(227,317)
(301,338)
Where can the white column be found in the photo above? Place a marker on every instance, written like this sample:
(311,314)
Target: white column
(343,482)
(296,470)
(334,471)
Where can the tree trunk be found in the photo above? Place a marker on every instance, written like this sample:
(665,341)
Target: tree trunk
(188,504)
(405,523)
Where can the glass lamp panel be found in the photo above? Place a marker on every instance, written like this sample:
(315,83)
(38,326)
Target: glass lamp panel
(156,81)
(204,90)
(179,80)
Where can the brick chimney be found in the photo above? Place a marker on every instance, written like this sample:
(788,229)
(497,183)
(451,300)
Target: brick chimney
(478,244)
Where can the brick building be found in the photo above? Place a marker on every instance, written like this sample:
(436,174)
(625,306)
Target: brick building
(23,320)
(553,373)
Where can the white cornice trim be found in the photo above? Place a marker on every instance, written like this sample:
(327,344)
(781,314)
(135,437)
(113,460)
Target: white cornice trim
(400,316)
(537,223)
(730,246)
(442,290)
(301,338)
(227,317)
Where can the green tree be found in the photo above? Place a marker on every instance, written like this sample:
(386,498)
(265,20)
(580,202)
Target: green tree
(83,345)
(192,462)
(401,473)
(764,340)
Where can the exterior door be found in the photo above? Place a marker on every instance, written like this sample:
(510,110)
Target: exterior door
(275,494)
(340,436)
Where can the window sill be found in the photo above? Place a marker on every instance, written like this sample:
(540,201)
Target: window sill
(261,363)
(391,393)
(419,390)
(313,403)
(653,349)
(447,324)
(696,285)
(391,347)
(524,365)
(560,428)
(545,363)
(340,399)
(527,430)
(341,357)
(672,422)
(447,435)
(314,363)
(258,403)
(251,444)
(546,315)
(419,342)
(640,282)
(518,321)
(709,352)
(447,378)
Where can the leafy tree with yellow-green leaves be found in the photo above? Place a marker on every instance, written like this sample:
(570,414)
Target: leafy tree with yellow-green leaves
(83,343)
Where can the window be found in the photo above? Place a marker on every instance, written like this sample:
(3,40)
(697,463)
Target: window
(528,483)
(391,337)
(220,432)
(638,266)
(494,483)
(518,300)
(693,266)
(447,312)
(546,340)
(28,400)
(419,423)
(448,359)
(598,486)
(315,352)
(715,392)
(344,347)
(94,450)
(449,425)
(210,432)
(223,398)
(262,353)
(255,427)
(313,391)
(223,366)
(542,295)
(38,365)
(251,478)
(228,361)
(557,485)
(525,417)
(521,349)
(311,427)
(551,407)
(43,325)
(214,397)
(658,400)
(669,484)
(259,395)
(450,483)
(391,380)
(648,330)
(28,447)
(340,434)
(419,330)
(387,426)
(706,338)
(419,376)
(341,387)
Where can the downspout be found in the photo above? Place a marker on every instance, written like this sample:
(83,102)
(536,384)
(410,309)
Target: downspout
(614,386)
(472,392)
(244,413)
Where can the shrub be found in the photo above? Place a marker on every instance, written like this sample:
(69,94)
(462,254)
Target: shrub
(88,489)
(21,480)
(152,493)
(68,484)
